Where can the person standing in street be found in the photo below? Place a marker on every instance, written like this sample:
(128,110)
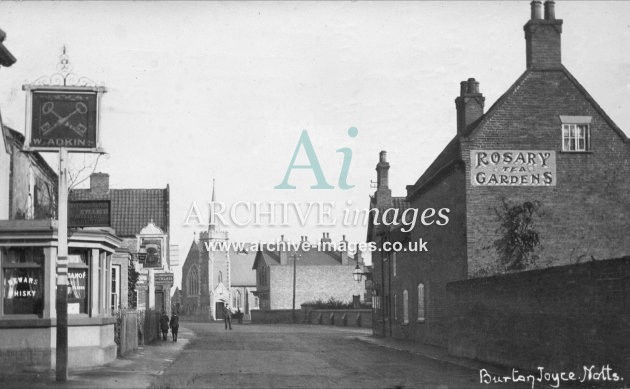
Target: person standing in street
(227,317)
(164,325)
(174,326)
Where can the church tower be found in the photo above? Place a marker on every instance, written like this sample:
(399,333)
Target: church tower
(213,241)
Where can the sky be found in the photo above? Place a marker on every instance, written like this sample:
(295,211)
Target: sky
(203,90)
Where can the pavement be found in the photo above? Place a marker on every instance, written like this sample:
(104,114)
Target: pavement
(135,370)
(432,352)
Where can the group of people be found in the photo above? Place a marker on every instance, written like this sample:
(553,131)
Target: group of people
(165,323)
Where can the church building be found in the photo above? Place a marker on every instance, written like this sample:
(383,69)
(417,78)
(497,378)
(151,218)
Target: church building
(215,274)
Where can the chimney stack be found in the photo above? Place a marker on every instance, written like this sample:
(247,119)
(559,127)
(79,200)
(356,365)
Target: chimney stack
(469,104)
(99,183)
(383,194)
(283,251)
(542,37)
(344,250)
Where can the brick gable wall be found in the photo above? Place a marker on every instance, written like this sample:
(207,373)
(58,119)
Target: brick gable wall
(587,213)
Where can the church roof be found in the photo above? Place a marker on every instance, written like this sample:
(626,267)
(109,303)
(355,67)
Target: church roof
(241,272)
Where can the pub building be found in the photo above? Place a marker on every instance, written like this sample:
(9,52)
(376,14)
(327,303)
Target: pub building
(28,253)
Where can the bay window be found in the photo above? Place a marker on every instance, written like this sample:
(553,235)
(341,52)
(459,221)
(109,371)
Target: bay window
(22,280)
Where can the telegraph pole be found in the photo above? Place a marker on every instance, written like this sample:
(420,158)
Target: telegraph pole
(294,274)
(62,270)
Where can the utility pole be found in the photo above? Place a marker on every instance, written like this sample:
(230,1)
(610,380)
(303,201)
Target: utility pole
(62,270)
(295,257)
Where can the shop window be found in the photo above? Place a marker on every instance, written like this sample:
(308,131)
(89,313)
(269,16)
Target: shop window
(22,279)
(575,137)
(115,287)
(78,280)
(406,306)
(421,302)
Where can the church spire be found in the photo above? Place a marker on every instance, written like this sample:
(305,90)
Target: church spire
(211,226)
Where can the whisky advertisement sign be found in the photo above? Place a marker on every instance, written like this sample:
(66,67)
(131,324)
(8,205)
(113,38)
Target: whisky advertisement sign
(65,117)
(513,167)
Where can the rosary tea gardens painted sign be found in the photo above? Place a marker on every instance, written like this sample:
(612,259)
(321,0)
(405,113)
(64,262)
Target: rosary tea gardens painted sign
(513,167)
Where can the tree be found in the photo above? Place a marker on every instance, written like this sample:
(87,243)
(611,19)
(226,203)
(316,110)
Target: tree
(132,279)
(519,237)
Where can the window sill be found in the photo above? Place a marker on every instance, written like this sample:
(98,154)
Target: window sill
(31,321)
(405,323)
(421,321)
(576,152)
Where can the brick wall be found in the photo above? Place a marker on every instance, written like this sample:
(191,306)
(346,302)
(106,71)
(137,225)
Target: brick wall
(445,261)
(312,283)
(559,318)
(587,213)
(275,316)
(337,317)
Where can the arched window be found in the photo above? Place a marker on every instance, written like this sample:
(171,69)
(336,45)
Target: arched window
(192,280)
(406,306)
(220,277)
(238,299)
(421,302)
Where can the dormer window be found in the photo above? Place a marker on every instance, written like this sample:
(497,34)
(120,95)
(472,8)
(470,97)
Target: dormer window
(575,133)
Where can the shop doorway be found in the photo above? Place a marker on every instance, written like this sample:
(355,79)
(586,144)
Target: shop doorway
(159,301)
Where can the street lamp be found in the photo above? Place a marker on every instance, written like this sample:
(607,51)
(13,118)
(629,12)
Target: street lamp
(357,273)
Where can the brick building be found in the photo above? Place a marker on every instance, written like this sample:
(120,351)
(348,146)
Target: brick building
(140,217)
(544,142)
(216,274)
(320,274)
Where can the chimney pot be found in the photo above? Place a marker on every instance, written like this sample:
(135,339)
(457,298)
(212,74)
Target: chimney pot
(463,88)
(550,10)
(383,156)
(536,9)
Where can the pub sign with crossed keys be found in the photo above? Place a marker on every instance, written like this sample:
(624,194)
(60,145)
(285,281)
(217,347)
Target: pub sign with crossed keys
(63,117)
